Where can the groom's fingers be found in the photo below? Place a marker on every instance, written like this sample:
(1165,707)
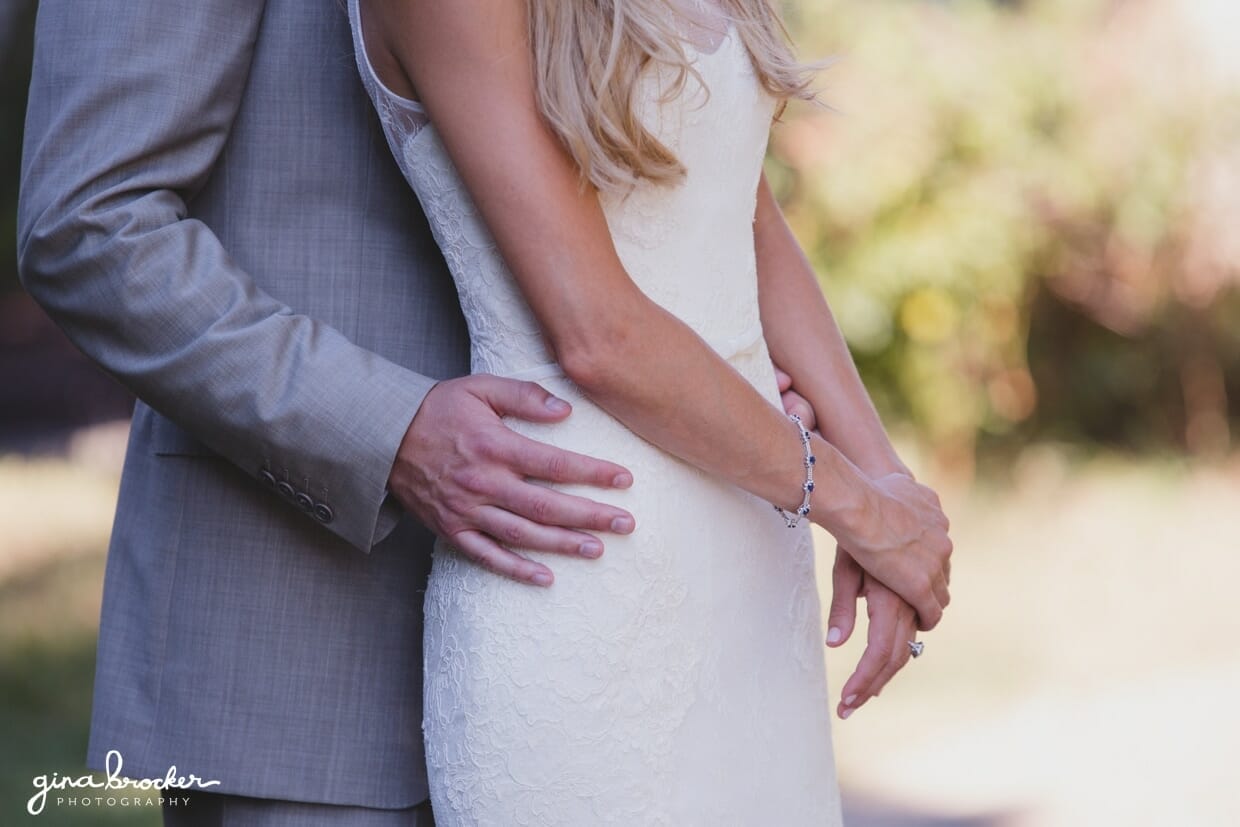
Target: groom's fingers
(515,530)
(524,400)
(527,400)
(555,508)
(490,555)
(531,458)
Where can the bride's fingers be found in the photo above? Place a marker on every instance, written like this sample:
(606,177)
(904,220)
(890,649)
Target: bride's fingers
(906,630)
(878,652)
(941,597)
(516,531)
(941,590)
(926,597)
(845,588)
(484,551)
(913,577)
(794,403)
(929,610)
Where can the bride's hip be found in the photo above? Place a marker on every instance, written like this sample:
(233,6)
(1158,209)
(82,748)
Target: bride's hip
(699,542)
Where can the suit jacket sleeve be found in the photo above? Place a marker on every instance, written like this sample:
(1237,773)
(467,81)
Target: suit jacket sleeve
(130,105)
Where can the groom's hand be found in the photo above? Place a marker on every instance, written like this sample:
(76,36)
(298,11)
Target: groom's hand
(893,623)
(467,476)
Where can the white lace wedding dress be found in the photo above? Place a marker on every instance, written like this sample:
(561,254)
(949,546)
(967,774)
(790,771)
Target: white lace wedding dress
(679,679)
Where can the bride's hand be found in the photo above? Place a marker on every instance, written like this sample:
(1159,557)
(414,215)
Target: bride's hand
(893,624)
(793,402)
(900,537)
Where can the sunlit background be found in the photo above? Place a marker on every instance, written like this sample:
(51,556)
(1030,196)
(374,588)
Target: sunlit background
(1026,216)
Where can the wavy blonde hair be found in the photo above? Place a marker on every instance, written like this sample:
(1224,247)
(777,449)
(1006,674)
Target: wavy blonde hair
(589,56)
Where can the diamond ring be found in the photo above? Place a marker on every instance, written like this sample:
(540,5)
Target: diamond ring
(916,647)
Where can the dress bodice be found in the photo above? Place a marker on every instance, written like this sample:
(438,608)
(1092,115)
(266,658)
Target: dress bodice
(688,246)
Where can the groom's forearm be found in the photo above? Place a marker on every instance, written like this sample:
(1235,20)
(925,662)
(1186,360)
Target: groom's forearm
(805,341)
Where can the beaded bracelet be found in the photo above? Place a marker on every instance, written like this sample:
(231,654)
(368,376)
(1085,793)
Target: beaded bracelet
(791,518)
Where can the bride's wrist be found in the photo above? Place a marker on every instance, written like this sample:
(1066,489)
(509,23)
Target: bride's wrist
(844,498)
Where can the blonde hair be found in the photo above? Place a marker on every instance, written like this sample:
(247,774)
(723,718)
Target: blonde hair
(589,55)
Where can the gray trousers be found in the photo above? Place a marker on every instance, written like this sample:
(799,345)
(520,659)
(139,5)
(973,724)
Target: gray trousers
(207,809)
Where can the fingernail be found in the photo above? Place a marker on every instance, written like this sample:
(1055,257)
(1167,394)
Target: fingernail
(622,480)
(834,635)
(542,579)
(622,525)
(849,700)
(847,711)
(556,405)
(591,548)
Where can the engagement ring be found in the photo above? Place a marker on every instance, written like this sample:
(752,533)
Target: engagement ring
(916,647)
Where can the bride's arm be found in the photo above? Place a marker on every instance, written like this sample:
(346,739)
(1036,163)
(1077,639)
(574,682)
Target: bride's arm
(806,342)
(470,62)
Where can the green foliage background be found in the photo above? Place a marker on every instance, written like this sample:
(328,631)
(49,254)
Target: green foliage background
(1019,214)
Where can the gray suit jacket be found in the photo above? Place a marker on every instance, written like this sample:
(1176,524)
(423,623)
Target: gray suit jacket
(210,211)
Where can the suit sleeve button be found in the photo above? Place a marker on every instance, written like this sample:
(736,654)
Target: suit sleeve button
(267,478)
(286,490)
(323,513)
(304,502)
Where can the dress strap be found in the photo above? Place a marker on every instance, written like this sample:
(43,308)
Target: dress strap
(378,90)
